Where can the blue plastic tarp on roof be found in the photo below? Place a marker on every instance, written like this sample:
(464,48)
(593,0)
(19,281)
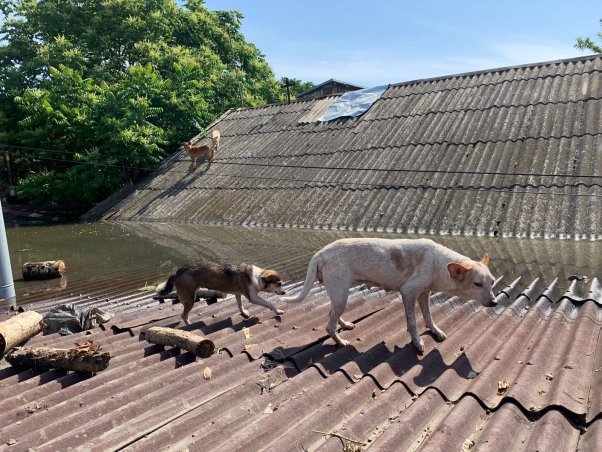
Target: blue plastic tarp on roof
(353,103)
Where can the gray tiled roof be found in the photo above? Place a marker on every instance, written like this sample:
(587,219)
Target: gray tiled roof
(511,152)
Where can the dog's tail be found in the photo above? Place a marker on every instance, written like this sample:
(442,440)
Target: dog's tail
(312,276)
(167,287)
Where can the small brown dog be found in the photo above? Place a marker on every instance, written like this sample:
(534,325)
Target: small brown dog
(207,150)
(243,279)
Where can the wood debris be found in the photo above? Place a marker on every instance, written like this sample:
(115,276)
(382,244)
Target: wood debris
(502,387)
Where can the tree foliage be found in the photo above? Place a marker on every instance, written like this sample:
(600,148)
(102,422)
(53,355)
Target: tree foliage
(586,44)
(94,93)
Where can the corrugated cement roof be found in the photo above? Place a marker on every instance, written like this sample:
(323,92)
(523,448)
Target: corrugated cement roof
(286,386)
(505,152)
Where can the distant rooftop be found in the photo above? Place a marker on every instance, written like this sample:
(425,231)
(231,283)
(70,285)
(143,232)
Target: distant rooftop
(327,88)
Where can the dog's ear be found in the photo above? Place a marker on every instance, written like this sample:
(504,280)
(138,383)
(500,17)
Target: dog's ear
(457,270)
(267,280)
(485,260)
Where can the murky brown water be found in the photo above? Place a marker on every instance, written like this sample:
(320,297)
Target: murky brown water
(134,255)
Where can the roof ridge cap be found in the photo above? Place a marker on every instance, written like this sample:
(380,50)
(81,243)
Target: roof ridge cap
(497,69)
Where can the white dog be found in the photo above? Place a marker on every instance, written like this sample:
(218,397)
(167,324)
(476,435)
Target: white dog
(414,267)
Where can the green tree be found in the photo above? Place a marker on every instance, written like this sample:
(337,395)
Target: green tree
(95,93)
(586,44)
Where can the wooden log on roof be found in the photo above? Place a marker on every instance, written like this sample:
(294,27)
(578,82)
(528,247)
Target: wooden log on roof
(210,296)
(19,329)
(85,357)
(194,343)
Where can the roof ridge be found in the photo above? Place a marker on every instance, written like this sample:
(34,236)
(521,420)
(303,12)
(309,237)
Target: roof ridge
(498,69)
(439,77)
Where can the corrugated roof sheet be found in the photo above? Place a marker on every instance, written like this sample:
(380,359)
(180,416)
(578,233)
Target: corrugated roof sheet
(505,152)
(288,387)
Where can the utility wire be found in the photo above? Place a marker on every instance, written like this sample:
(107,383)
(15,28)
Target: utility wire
(316,167)
(365,186)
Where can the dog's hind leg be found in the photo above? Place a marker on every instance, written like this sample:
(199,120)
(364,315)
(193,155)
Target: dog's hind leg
(187,299)
(338,302)
(242,310)
(423,302)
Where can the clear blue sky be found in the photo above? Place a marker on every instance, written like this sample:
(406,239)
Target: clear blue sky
(374,42)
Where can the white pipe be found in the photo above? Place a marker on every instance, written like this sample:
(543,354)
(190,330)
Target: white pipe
(7,285)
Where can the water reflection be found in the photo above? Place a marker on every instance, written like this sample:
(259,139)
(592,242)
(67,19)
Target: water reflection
(96,255)
(133,256)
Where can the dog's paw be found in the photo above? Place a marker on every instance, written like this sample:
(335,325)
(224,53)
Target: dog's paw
(348,325)
(419,346)
(343,343)
(279,311)
(440,335)
(245,313)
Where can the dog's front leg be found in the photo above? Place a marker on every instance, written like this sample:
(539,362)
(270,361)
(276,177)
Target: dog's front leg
(409,303)
(209,158)
(423,302)
(192,166)
(255,298)
(242,310)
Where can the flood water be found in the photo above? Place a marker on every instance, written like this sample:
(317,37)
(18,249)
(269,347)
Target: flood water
(134,256)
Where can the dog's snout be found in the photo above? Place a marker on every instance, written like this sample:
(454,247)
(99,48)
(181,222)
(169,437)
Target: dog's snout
(490,303)
(281,292)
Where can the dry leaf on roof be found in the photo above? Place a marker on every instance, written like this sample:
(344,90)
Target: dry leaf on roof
(246,332)
(35,406)
(502,386)
(88,346)
(147,288)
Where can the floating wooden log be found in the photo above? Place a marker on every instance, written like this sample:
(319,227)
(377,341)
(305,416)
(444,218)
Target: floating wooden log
(19,329)
(210,296)
(84,358)
(185,340)
(43,270)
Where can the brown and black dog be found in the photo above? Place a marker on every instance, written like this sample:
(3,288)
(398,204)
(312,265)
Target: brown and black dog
(207,150)
(243,279)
